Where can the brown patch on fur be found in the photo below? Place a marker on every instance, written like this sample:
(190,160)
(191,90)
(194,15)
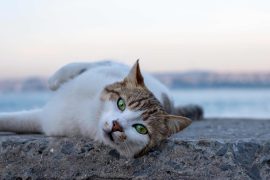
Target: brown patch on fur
(111,92)
(167,103)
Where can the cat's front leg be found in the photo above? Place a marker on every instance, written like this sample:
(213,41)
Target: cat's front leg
(72,70)
(67,73)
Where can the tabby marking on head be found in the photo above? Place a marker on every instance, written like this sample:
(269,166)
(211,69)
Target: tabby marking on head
(146,110)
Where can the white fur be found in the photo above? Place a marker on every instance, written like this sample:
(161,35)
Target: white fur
(76,108)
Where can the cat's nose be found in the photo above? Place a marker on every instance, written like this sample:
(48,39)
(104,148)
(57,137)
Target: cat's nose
(116,126)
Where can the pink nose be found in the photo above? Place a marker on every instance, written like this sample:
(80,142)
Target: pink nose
(116,126)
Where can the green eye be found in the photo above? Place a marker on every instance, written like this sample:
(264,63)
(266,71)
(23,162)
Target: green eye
(121,104)
(140,128)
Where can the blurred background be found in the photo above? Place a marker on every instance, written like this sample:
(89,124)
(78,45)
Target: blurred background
(215,53)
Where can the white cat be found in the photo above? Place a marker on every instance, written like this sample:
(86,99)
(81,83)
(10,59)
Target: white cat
(107,102)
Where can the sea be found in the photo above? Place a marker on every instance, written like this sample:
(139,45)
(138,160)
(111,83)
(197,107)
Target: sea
(216,102)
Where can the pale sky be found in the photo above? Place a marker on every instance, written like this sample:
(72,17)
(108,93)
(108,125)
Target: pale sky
(39,36)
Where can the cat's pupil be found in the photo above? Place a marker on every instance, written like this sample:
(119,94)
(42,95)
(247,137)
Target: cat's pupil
(140,128)
(121,104)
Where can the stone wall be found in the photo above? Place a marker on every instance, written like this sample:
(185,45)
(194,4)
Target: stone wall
(209,149)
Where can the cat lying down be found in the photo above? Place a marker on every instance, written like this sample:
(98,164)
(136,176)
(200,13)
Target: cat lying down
(106,101)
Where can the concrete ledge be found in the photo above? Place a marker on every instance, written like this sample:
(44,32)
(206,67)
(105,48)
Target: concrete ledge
(209,149)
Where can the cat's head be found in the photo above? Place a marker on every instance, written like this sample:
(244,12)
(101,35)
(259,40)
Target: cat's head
(135,120)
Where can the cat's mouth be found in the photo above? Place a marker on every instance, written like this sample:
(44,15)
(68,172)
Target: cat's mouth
(109,135)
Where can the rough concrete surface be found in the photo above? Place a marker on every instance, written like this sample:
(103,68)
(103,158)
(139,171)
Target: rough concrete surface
(208,149)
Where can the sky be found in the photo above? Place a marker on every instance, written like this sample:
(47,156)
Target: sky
(38,37)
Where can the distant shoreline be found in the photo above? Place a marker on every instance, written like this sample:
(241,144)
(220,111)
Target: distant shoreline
(173,80)
(234,119)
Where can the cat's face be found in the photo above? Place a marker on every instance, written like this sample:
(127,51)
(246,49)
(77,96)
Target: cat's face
(123,129)
(134,121)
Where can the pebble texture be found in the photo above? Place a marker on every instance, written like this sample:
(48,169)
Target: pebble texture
(208,149)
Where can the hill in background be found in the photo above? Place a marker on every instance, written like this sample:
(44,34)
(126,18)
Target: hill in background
(191,79)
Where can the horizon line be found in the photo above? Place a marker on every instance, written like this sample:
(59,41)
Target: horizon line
(192,71)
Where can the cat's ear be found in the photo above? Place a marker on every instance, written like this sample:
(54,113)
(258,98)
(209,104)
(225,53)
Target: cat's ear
(176,123)
(135,75)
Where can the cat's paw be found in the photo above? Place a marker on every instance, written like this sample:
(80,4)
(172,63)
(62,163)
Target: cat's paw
(66,73)
(53,83)
(72,70)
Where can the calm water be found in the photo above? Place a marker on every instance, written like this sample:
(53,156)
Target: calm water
(22,101)
(244,103)
(247,103)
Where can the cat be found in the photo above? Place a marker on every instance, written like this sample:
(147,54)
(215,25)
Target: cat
(106,101)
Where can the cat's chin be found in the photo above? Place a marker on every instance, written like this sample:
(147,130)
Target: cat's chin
(108,139)
(124,152)
(123,148)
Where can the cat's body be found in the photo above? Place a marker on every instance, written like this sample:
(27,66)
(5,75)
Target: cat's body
(105,101)
(80,99)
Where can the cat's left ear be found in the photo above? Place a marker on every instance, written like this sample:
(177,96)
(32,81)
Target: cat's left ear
(135,75)
(176,123)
